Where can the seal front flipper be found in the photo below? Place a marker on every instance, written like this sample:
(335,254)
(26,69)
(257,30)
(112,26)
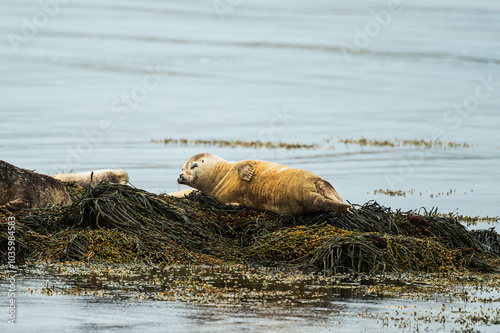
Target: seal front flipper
(246,170)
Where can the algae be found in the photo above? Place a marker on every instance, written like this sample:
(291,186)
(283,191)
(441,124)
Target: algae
(362,142)
(119,224)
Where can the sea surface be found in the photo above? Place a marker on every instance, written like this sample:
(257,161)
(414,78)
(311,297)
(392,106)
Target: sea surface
(87,85)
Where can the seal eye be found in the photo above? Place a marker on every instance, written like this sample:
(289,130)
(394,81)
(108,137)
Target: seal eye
(202,161)
(194,165)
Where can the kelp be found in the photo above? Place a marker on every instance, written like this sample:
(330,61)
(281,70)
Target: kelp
(238,143)
(362,142)
(119,223)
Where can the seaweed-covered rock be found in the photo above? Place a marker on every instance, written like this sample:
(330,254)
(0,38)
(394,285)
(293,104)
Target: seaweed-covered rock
(119,223)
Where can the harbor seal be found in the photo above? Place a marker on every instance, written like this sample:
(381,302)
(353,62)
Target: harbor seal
(21,188)
(83,179)
(261,185)
(181,194)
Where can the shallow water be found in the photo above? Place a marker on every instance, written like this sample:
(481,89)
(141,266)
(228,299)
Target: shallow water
(89,84)
(259,70)
(102,301)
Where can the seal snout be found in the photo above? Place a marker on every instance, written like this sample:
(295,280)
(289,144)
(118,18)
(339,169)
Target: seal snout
(181,179)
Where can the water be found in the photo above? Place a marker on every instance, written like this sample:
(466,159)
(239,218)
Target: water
(192,70)
(87,84)
(132,302)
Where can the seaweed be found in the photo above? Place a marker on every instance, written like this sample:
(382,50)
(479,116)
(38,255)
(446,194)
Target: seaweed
(119,224)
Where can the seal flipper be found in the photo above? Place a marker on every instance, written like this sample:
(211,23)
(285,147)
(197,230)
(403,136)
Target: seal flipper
(329,199)
(246,170)
(322,203)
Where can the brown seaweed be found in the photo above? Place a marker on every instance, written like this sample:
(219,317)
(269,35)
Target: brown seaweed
(119,223)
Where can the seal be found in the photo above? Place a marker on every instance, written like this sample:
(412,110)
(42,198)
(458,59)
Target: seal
(261,185)
(181,194)
(21,188)
(83,179)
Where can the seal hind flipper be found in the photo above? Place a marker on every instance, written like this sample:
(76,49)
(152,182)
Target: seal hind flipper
(322,203)
(330,199)
(17,204)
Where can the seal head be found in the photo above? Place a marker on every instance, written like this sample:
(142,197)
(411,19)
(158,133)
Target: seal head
(198,170)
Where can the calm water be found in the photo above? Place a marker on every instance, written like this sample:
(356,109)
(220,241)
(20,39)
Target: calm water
(308,307)
(90,85)
(87,84)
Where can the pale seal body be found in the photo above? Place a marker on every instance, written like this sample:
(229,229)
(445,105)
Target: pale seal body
(181,194)
(21,188)
(261,185)
(83,179)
